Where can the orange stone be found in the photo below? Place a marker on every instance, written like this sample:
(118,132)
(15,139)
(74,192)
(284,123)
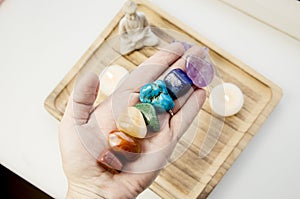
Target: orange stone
(124,145)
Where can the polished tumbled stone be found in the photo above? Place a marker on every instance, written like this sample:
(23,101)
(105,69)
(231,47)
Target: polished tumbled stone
(200,71)
(177,82)
(123,145)
(157,94)
(131,121)
(110,161)
(150,116)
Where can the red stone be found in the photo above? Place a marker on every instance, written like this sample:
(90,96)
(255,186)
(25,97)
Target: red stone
(110,161)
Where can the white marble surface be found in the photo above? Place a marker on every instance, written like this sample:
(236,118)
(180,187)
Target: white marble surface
(40,40)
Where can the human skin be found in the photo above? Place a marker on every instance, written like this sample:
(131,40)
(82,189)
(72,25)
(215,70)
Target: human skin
(86,178)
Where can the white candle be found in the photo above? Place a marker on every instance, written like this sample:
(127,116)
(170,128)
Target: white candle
(110,78)
(226,99)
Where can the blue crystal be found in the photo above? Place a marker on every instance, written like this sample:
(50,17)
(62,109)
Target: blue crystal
(157,95)
(177,82)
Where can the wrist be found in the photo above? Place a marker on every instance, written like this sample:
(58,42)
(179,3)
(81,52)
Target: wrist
(80,192)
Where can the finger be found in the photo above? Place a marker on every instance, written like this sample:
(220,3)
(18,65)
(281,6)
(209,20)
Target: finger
(84,96)
(185,116)
(153,67)
(179,102)
(180,63)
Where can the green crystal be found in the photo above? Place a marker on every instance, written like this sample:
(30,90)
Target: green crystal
(150,116)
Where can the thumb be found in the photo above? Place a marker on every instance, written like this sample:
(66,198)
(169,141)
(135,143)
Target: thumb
(84,96)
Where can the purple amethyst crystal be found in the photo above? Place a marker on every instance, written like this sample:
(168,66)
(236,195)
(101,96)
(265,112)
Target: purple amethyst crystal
(199,71)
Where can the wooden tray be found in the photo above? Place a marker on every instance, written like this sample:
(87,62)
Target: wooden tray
(189,176)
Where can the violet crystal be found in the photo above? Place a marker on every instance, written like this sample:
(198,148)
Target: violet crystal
(200,71)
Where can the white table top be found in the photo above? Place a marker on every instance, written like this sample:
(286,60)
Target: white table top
(41,40)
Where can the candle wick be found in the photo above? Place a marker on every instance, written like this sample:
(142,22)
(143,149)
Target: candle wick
(226,98)
(109,74)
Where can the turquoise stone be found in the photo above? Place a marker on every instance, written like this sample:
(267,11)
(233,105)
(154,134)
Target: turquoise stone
(150,116)
(157,95)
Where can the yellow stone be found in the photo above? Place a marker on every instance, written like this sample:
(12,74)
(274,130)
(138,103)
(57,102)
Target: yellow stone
(131,121)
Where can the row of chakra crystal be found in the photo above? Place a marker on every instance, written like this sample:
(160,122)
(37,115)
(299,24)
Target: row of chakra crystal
(156,97)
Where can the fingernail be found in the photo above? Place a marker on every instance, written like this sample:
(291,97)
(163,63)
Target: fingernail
(186,45)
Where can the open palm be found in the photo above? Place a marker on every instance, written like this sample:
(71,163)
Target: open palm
(81,122)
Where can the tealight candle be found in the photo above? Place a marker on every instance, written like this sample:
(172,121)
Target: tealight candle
(110,78)
(226,99)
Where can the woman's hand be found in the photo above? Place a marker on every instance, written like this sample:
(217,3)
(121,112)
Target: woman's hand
(86,178)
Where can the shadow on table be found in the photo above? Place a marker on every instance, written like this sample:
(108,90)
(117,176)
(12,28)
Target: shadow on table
(14,187)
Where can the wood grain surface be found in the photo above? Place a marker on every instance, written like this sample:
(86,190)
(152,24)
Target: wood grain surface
(188,175)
